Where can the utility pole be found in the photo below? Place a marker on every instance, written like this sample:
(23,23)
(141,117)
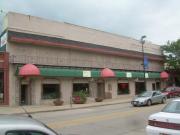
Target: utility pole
(142,41)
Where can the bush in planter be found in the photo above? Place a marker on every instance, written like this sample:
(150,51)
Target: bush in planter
(79,97)
(99,99)
(58,102)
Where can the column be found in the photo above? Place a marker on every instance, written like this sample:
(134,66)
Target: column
(36,91)
(66,90)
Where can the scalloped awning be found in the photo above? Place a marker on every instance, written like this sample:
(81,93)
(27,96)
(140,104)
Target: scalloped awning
(29,70)
(164,75)
(106,72)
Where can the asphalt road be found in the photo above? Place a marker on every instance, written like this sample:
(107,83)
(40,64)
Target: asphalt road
(119,119)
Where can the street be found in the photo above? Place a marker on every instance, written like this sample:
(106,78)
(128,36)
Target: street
(119,119)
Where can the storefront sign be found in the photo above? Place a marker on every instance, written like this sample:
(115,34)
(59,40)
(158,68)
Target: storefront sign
(3,39)
(86,73)
(128,74)
(146,75)
(146,62)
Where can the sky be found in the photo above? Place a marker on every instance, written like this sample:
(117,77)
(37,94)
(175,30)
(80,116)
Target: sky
(159,20)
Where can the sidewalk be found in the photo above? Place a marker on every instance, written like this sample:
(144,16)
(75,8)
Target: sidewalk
(50,108)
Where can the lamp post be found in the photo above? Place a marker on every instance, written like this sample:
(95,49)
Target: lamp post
(142,41)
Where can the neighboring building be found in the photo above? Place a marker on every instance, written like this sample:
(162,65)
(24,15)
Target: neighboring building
(68,58)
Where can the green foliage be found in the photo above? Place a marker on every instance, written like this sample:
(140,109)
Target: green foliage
(79,96)
(172,55)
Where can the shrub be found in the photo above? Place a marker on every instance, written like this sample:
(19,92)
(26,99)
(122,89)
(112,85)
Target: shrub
(79,97)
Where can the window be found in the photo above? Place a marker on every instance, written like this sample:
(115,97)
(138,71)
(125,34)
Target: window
(81,87)
(153,86)
(123,88)
(158,85)
(50,91)
(25,133)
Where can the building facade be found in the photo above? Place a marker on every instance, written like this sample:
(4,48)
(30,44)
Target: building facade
(71,58)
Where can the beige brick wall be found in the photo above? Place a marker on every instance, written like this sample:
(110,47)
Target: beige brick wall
(36,25)
(22,53)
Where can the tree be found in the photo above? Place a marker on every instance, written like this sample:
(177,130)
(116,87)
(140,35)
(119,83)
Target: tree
(172,55)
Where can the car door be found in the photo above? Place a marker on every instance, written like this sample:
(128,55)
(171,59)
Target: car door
(173,92)
(156,97)
(160,96)
(177,91)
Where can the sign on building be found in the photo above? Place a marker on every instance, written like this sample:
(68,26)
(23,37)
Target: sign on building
(3,39)
(86,73)
(146,75)
(128,74)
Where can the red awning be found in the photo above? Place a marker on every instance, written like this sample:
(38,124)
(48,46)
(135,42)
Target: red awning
(164,75)
(106,72)
(29,70)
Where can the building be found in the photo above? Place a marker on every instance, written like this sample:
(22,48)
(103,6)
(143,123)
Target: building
(42,60)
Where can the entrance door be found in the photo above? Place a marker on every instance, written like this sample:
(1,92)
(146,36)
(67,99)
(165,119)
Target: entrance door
(140,87)
(100,90)
(24,94)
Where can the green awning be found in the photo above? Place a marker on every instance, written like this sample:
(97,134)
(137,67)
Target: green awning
(120,74)
(59,72)
(72,72)
(137,75)
(154,75)
(95,73)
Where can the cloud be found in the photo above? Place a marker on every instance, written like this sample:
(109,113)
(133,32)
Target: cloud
(159,20)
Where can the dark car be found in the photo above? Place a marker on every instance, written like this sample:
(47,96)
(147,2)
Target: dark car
(171,92)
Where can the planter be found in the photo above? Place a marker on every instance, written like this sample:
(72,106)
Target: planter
(98,99)
(58,102)
(79,100)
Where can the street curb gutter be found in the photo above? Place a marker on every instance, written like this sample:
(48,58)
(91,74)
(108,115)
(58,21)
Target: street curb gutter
(73,108)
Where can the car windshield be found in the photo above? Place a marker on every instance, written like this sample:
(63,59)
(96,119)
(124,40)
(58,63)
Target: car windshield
(168,89)
(50,129)
(172,107)
(145,94)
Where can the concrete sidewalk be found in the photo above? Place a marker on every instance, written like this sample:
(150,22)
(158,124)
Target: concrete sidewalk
(50,108)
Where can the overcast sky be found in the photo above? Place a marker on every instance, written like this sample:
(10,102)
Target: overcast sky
(159,20)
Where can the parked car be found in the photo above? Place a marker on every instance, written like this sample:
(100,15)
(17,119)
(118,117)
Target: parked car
(148,98)
(172,91)
(21,125)
(166,122)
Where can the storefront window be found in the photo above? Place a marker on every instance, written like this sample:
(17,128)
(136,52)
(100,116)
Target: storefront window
(51,91)
(153,86)
(123,88)
(139,87)
(1,87)
(81,87)
(158,85)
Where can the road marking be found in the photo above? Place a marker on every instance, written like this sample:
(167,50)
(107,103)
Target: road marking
(93,119)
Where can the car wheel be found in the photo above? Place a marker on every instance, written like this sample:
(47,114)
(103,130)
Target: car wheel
(149,103)
(134,105)
(163,101)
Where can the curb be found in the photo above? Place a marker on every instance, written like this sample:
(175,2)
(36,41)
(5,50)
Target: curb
(73,108)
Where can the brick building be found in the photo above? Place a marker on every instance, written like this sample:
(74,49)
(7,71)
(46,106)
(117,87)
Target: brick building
(42,60)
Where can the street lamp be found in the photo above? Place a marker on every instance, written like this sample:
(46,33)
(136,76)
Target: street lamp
(142,41)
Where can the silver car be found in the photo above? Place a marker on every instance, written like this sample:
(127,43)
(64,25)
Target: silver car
(148,98)
(21,125)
